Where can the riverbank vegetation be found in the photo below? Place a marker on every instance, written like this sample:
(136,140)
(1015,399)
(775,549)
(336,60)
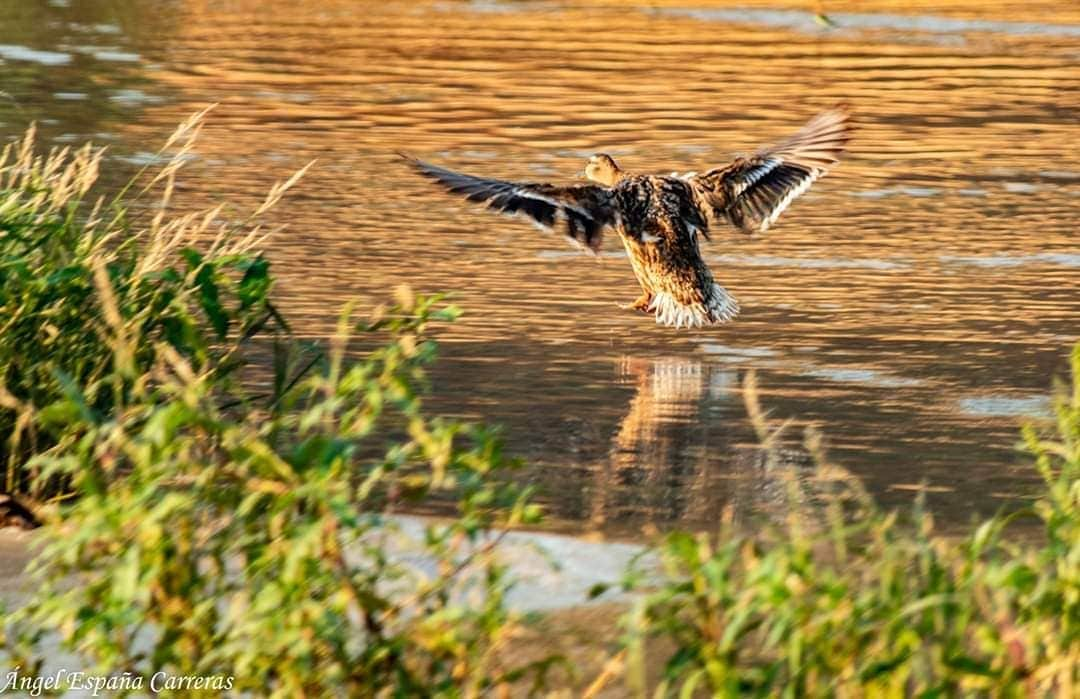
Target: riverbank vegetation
(202,522)
(843,598)
(87,282)
(219,499)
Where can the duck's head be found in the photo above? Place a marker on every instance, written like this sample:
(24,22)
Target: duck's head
(602,169)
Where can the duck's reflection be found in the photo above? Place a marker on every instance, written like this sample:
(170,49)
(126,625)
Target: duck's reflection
(684,453)
(657,468)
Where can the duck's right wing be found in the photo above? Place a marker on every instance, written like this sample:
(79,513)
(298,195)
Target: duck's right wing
(752,192)
(583,210)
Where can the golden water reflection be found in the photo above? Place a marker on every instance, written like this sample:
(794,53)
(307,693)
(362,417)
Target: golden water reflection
(913,304)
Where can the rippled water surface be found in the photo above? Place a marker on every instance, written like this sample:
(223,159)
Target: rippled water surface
(913,305)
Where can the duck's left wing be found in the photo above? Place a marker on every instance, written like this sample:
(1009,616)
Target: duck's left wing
(752,192)
(583,210)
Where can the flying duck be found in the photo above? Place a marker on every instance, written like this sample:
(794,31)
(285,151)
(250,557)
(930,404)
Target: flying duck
(659,218)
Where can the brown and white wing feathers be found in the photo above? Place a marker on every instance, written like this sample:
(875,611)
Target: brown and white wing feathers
(752,192)
(583,210)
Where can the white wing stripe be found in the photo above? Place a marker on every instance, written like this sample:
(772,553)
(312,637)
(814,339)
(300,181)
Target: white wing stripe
(751,178)
(792,194)
(529,194)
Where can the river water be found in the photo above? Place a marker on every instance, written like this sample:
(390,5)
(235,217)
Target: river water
(914,305)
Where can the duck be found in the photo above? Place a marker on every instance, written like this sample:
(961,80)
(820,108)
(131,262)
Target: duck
(661,219)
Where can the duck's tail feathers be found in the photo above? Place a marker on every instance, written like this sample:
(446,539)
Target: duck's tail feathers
(722,305)
(718,307)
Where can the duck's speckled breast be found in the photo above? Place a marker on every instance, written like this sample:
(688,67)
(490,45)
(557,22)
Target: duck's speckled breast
(653,206)
(659,229)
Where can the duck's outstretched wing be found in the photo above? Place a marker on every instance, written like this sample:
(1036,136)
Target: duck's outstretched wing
(752,192)
(583,211)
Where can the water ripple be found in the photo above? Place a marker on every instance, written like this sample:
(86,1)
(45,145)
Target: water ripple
(809,22)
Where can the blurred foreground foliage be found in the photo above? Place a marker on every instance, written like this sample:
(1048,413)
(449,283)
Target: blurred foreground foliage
(252,543)
(202,519)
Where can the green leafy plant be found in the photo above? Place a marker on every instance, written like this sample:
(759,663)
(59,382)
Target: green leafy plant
(194,282)
(845,599)
(257,544)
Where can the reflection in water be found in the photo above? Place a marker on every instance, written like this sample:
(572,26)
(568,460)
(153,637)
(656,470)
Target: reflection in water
(807,22)
(657,467)
(77,69)
(766,482)
(672,460)
(934,271)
